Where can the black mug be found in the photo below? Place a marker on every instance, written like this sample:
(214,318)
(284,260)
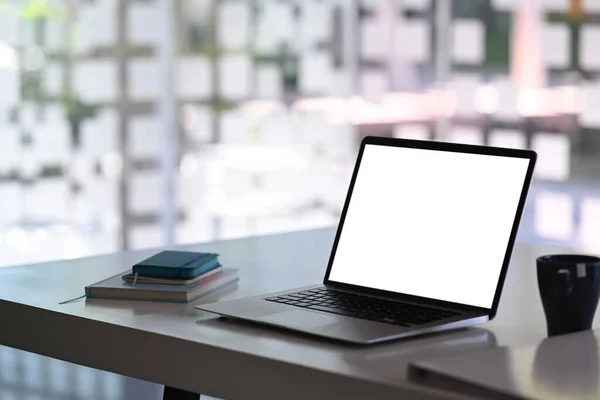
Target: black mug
(569,287)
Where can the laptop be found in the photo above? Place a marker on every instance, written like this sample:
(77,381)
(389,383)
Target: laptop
(423,245)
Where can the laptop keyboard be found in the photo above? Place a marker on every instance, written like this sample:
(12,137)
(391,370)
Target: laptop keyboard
(363,307)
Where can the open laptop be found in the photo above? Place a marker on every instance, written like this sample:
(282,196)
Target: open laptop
(423,245)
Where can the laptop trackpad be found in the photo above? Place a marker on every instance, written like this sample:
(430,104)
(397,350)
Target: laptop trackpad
(298,318)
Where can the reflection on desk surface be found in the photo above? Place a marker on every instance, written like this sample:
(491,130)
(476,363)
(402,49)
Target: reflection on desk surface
(561,367)
(382,362)
(438,344)
(396,356)
(566,368)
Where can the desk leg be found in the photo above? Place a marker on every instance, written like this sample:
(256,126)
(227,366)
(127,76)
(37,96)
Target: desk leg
(171,393)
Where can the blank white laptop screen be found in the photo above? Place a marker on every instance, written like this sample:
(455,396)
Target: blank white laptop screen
(429,223)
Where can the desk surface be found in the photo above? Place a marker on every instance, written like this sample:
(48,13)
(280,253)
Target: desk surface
(177,345)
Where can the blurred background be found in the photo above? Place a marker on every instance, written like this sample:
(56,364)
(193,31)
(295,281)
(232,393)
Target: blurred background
(141,123)
(127,124)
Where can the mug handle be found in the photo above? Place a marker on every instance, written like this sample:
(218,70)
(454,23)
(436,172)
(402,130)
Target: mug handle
(564,281)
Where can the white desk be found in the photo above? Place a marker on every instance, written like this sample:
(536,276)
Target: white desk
(179,346)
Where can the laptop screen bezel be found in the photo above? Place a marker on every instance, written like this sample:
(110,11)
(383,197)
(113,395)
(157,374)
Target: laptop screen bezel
(447,147)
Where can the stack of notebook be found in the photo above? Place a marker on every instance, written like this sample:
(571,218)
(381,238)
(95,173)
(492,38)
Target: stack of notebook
(177,276)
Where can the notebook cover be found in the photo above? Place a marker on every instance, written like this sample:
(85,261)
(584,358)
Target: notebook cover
(176,264)
(116,288)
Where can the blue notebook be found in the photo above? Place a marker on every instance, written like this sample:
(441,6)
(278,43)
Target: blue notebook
(177,264)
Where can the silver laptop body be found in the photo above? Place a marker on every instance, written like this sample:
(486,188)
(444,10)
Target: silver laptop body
(423,245)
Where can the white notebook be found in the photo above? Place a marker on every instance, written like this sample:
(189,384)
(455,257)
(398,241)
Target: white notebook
(561,367)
